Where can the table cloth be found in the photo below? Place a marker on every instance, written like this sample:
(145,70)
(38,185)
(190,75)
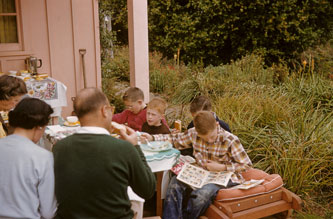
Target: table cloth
(53,92)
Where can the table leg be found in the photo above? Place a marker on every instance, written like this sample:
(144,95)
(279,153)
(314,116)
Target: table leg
(159,203)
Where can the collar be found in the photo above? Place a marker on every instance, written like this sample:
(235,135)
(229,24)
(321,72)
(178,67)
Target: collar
(93,130)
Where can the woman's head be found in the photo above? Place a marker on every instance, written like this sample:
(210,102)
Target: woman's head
(11,91)
(30,113)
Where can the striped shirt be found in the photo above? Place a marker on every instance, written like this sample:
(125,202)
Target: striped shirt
(226,150)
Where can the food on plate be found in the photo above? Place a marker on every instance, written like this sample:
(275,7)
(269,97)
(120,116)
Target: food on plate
(115,135)
(41,76)
(26,78)
(72,121)
(118,127)
(70,124)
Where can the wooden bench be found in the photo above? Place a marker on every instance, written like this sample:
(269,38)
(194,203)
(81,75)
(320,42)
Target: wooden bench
(280,201)
(263,200)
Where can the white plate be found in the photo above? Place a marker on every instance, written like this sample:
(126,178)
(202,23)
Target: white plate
(157,146)
(68,124)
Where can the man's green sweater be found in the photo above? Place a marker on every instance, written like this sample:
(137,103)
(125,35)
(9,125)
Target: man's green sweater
(92,173)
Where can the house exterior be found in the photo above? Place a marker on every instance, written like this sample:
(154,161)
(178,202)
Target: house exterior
(56,30)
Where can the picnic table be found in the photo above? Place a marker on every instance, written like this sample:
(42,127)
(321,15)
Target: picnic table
(159,161)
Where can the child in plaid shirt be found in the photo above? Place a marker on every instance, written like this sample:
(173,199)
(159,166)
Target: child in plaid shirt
(215,150)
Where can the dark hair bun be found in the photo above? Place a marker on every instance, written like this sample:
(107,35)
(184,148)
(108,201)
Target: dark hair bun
(30,113)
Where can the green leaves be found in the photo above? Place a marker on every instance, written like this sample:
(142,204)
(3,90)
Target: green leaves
(218,31)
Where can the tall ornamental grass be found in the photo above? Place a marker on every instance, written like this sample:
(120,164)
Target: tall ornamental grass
(287,128)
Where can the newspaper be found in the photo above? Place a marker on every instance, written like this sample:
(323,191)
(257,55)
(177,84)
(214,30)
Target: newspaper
(180,163)
(198,177)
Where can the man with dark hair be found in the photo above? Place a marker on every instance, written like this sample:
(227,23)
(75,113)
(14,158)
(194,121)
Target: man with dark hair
(26,170)
(93,169)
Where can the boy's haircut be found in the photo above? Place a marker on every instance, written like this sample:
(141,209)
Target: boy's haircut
(11,86)
(133,94)
(201,103)
(30,113)
(204,122)
(89,100)
(158,104)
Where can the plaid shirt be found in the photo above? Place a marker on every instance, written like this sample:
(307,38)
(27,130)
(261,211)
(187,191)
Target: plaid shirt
(227,150)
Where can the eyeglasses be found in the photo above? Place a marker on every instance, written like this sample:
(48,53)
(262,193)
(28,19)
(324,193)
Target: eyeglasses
(112,108)
(129,106)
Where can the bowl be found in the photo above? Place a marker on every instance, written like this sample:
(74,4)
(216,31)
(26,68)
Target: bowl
(11,72)
(72,119)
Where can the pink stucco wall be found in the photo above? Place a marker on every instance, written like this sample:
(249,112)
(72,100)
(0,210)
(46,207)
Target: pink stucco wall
(54,31)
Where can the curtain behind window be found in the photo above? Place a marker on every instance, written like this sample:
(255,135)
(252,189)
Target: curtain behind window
(8,23)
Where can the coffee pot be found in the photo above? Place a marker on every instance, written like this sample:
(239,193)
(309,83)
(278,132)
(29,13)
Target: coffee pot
(31,63)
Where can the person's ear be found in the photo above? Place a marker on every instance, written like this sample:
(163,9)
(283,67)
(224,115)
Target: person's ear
(36,135)
(140,102)
(104,110)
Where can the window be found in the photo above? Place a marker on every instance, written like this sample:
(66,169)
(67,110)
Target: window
(9,26)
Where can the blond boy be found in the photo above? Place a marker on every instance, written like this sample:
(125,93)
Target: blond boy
(155,114)
(215,150)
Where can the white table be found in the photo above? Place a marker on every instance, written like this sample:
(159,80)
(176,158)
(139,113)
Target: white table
(159,162)
(53,92)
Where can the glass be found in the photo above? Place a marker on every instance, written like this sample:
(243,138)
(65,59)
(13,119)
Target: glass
(7,6)
(8,29)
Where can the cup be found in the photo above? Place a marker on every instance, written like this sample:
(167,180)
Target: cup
(178,125)
(72,119)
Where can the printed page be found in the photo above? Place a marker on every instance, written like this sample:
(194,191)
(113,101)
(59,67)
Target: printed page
(248,184)
(192,175)
(181,162)
(177,167)
(219,178)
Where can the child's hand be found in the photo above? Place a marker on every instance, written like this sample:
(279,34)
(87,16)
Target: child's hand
(129,135)
(215,166)
(145,136)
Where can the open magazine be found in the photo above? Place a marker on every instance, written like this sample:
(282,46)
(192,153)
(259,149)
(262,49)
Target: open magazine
(198,177)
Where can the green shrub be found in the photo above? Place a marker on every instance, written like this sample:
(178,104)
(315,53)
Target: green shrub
(118,67)
(215,32)
(163,74)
